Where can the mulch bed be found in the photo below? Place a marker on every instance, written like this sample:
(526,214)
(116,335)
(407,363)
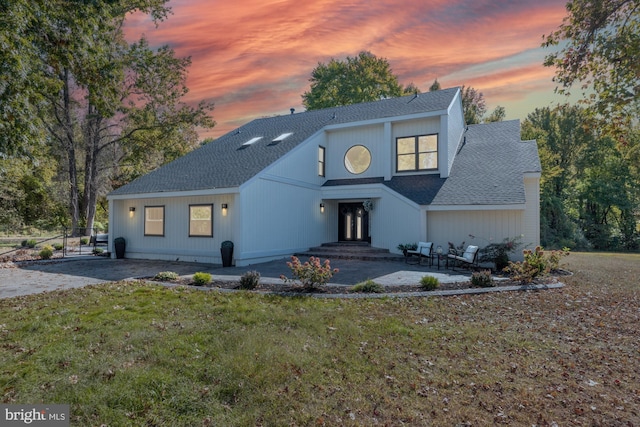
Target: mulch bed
(332,289)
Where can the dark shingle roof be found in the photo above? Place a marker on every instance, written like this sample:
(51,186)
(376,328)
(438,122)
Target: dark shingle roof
(489,167)
(226,163)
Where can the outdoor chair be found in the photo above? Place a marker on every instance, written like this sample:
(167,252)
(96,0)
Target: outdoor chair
(468,258)
(424,250)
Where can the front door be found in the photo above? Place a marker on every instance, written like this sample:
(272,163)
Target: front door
(353,222)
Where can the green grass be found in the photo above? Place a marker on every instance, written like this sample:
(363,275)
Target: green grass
(137,354)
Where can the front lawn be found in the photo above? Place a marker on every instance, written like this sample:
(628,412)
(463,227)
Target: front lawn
(137,354)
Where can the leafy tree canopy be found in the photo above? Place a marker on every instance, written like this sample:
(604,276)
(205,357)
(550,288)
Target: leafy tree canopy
(363,78)
(475,107)
(601,47)
(39,38)
(108,110)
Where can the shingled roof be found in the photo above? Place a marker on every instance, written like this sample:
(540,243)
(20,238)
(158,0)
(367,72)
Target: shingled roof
(227,163)
(489,166)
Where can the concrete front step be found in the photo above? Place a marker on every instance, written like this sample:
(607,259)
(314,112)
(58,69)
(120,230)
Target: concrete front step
(359,251)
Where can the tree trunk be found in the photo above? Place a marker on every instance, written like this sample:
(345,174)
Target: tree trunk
(74,202)
(92,143)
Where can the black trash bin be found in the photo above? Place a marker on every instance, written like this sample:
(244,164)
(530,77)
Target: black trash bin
(226,251)
(120,245)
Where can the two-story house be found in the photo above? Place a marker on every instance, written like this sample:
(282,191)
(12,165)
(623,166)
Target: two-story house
(388,172)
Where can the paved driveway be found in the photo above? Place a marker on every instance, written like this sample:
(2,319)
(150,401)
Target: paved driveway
(77,272)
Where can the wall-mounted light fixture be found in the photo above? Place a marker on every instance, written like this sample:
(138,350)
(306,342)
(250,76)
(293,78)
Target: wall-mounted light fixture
(321,207)
(225,208)
(132,210)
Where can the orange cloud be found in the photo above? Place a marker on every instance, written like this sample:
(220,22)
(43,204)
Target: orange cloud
(253,58)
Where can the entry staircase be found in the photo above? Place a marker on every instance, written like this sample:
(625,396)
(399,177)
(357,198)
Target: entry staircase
(350,250)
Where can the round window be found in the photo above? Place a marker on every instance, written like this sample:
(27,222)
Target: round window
(357,159)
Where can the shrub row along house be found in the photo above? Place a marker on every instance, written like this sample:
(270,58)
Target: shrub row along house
(388,172)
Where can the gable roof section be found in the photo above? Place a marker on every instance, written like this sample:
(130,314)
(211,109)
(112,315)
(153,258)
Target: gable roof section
(487,170)
(227,163)
(489,167)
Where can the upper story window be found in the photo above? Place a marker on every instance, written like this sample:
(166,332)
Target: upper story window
(417,153)
(154,220)
(321,161)
(357,159)
(200,220)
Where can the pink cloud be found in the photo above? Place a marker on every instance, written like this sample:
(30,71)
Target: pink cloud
(253,58)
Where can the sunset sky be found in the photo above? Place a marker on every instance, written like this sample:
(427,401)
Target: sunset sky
(253,58)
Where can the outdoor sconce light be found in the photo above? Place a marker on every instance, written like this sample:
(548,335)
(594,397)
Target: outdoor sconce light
(131,211)
(439,250)
(321,207)
(224,209)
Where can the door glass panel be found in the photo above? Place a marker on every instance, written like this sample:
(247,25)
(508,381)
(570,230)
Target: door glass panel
(348,218)
(359,225)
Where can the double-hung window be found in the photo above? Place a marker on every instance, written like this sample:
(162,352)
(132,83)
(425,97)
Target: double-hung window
(201,220)
(154,220)
(417,153)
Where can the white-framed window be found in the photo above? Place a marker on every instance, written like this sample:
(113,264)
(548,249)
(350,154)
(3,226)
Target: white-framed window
(417,153)
(321,160)
(154,220)
(201,220)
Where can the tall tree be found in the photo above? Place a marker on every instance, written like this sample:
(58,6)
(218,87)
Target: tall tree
(100,99)
(562,133)
(359,79)
(587,185)
(473,105)
(601,47)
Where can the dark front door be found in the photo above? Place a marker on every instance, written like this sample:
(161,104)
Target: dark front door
(353,222)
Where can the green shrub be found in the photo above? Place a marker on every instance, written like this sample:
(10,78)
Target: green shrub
(249,280)
(31,243)
(200,278)
(58,246)
(482,279)
(166,275)
(536,263)
(368,286)
(429,283)
(84,241)
(46,252)
(97,251)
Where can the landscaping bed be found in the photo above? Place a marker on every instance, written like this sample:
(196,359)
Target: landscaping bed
(287,288)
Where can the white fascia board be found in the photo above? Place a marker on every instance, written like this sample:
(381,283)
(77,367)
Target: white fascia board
(381,120)
(457,96)
(532,175)
(206,192)
(511,207)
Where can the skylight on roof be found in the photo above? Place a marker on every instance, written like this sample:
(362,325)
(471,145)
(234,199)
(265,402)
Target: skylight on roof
(281,137)
(252,140)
